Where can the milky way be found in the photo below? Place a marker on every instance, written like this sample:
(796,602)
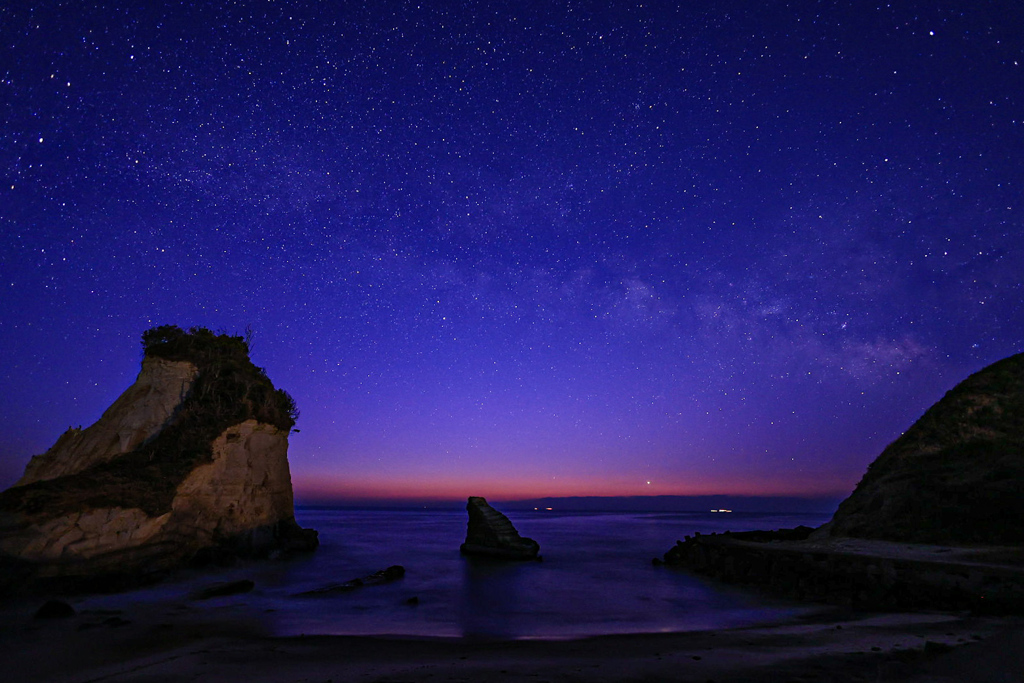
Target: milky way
(519,249)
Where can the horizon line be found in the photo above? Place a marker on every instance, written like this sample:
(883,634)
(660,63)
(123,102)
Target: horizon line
(516,498)
(657,503)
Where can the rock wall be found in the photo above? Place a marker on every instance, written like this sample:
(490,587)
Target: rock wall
(138,414)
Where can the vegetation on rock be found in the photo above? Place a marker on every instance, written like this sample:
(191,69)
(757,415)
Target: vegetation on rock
(228,390)
(956,476)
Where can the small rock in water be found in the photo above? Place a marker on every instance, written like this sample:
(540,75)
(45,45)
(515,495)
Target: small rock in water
(392,573)
(109,622)
(491,534)
(55,609)
(228,588)
(933,647)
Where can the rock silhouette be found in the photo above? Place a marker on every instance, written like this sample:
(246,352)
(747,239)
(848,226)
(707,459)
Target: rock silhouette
(491,534)
(956,476)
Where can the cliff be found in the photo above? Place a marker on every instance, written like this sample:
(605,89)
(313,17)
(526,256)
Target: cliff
(934,523)
(189,463)
(956,476)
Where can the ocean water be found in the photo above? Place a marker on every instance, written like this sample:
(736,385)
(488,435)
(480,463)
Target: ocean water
(596,577)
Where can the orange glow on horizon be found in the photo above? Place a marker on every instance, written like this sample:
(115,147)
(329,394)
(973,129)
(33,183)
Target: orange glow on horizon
(354,489)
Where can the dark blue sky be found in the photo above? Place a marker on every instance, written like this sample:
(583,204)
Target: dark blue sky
(504,248)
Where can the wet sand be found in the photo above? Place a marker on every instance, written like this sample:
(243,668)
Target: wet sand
(176,642)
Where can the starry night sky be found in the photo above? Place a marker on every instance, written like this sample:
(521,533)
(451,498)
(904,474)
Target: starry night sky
(520,248)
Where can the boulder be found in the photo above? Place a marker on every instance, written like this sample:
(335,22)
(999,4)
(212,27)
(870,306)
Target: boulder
(189,463)
(54,609)
(491,534)
(955,477)
(225,588)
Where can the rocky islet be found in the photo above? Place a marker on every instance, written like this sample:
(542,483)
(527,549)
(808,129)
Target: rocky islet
(490,534)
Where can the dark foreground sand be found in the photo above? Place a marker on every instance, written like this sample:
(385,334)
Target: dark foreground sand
(175,643)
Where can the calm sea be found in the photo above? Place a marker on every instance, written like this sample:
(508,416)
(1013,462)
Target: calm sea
(596,577)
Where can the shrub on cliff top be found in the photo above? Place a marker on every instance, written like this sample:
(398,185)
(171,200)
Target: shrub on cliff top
(229,386)
(198,345)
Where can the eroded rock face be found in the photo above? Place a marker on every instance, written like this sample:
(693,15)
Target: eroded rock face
(491,534)
(80,537)
(956,476)
(241,500)
(247,486)
(135,416)
(163,479)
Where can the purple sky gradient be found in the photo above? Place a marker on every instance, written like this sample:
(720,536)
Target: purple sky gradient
(520,249)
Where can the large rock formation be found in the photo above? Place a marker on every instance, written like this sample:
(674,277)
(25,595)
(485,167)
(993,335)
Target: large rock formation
(189,463)
(936,522)
(956,476)
(491,534)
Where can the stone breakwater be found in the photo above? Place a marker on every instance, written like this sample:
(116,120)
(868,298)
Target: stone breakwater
(933,524)
(863,574)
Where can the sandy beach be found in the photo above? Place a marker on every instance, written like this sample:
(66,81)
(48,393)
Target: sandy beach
(174,643)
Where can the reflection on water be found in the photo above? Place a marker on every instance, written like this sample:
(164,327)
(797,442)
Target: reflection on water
(491,598)
(596,578)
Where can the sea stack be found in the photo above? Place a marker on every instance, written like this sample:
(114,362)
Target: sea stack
(956,476)
(491,534)
(189,464)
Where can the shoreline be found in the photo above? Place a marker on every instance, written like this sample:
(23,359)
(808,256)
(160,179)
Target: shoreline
(168,643)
